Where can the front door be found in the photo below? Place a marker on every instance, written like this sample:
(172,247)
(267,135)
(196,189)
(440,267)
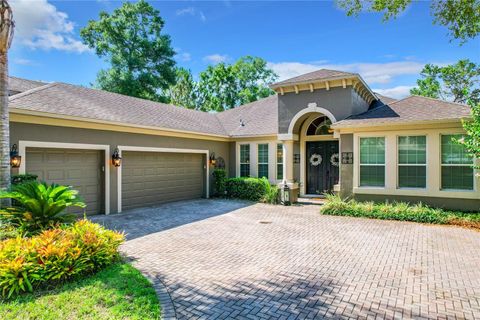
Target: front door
(322,166)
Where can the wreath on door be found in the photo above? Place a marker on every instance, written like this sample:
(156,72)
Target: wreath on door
(334,159)
(315,159)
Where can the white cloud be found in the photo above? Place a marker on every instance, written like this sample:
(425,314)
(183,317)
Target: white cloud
(371,72)
(191,11)
(24,62)
(397,92)
(216,58)
(39,25)
(184,56)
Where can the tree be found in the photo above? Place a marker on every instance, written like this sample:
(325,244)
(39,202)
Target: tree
(458,82)
(471,140)
(461,17)
(6,35)
(224,86)
(140,56)
(184,92)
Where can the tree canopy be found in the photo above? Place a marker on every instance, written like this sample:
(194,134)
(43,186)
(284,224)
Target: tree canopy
(471,140)
(224,86)
(140,56)
(461,17)
(459,82)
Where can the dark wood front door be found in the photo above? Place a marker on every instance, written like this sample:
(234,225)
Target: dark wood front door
(322,166)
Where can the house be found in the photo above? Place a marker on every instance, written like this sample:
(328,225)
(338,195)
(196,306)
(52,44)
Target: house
(323,131)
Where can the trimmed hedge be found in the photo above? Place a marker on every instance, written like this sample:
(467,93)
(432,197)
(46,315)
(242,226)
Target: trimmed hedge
(398,211)
(56,255)
(253,189)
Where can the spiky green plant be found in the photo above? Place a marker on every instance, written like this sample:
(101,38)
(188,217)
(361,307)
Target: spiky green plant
(39,206)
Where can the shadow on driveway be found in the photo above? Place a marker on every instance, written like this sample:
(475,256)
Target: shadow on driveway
(144,221)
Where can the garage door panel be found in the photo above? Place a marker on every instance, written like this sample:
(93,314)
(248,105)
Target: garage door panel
(150,178)
(80,169)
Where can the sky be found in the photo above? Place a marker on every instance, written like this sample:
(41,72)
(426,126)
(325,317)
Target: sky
(293,37)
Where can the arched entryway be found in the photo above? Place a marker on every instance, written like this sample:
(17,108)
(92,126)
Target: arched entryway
(318,150)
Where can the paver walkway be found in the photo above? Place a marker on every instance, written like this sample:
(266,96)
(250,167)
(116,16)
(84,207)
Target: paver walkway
(227,259)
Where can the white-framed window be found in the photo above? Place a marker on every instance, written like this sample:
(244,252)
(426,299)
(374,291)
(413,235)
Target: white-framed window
(279,161)
(262,160)
(372,162)
(244,160)
(412,162)
(457,164)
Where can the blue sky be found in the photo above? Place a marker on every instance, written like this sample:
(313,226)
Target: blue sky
(294,37)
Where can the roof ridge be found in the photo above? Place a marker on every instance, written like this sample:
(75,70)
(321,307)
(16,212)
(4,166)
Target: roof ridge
(440,100)
(36,89)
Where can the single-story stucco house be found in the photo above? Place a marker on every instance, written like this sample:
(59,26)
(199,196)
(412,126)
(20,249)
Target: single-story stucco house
(321,132)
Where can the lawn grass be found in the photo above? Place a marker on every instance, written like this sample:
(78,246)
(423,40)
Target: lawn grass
(117,292)
(398,211)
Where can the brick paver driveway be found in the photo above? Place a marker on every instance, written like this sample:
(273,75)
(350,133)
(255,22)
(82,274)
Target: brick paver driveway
(227,259)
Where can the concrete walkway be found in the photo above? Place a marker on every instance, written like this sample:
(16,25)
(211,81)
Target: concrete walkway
(221,259)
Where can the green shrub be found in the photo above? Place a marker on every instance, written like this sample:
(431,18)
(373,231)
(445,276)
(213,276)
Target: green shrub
(398,211)
(39,206)
(220,176)
(22,178)
(55,255)
(253,189)
(272,193)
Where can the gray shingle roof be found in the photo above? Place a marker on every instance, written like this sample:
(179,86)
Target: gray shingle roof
(385,99)
(76,101)
(20,85)
(259,118)
(410,109)
(314,76)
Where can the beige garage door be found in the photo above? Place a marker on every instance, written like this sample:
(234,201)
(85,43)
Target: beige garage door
(151,178)
(81,169)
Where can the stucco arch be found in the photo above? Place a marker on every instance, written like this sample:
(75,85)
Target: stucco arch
(303,114)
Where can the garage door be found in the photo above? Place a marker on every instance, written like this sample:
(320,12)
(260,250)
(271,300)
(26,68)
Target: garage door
(81,169)
(151,178)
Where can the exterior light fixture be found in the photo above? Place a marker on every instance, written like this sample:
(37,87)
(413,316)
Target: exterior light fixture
(116,159)
(15,159)
(285,195)
(213,160)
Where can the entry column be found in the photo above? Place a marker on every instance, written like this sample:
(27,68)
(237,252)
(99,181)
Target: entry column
(288,178)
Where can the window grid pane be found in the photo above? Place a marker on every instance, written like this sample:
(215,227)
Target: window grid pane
(279,161)
(372,162)
(412,159)
(457,170)
(244,160)
(263,160)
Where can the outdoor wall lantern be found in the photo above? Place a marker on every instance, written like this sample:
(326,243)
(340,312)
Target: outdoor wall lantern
(15,159)
(285,195)
(116,159)
(213,160)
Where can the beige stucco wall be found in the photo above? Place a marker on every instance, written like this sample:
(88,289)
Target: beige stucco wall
(432,193)
(34,132)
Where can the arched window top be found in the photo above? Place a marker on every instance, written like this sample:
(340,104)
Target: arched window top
(319,126)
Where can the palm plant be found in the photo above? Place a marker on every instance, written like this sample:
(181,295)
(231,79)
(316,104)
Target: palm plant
(39,206)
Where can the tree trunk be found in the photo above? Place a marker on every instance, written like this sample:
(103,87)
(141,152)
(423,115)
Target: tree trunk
(4,128)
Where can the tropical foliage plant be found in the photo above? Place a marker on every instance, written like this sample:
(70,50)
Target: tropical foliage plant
(39,206)
(55,255)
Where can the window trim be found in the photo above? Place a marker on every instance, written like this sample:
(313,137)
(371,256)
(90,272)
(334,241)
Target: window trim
(244,163)
(411,165)
(263,163)
(441,165)
(359,163)
(277,163)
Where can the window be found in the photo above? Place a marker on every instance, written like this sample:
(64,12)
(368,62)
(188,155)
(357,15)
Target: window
(457,170)
(279,161)
(319,126)
(412,162)
(244,160)
(372,162)
(263,160)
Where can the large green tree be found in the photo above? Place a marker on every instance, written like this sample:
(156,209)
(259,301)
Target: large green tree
(461,17)
(184,92)
(459,82)
(471,140)
(140,55)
